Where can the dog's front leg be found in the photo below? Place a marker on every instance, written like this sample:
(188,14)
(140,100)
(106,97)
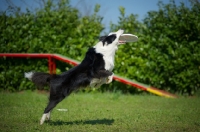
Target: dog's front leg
(102,74)
(107,76)
(95,82)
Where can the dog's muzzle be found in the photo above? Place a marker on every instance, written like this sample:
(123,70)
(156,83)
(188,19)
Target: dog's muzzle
(122,42)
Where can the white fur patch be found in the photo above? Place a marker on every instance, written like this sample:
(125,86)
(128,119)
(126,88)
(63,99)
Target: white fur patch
(48,116)
(108,51)
(28,75)
(44,116)
(109,62)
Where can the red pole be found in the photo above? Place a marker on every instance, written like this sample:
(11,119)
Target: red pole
(49,64)
(54,66)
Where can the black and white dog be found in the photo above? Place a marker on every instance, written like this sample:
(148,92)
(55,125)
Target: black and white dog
(95,70)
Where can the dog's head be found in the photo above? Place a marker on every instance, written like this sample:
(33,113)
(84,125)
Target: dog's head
(109,43)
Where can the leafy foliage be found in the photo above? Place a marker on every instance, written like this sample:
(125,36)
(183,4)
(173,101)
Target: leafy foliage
(57,28)
(176,43)
(166,55)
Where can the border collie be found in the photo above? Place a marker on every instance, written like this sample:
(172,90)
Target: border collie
(95,70)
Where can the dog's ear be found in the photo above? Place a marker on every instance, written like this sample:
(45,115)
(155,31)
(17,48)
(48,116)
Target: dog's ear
(102,38)
(109,39)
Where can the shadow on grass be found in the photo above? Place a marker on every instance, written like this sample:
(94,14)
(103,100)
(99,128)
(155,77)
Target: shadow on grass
(91,122)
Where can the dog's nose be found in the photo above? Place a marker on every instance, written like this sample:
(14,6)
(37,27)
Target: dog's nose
(120,31)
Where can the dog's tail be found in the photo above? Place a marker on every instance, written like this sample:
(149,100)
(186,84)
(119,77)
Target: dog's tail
(40,79)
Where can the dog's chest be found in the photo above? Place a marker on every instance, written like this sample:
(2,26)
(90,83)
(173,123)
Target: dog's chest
(109,63)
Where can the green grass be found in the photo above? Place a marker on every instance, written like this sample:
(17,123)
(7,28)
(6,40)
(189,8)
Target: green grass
(98,112)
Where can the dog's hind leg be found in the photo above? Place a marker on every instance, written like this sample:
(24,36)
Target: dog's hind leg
(47,110)
(45,116)
(50,106)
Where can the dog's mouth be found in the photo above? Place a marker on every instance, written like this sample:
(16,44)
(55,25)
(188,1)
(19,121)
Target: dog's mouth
(122,42)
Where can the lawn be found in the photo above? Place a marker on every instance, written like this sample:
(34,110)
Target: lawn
(99,112)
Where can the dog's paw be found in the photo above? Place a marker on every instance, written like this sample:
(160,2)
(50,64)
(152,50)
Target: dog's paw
(48,116)
(44,116)
(98,85)
(109,79)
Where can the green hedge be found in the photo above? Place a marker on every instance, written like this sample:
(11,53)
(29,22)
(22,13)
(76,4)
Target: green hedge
(57,28)
(166,55)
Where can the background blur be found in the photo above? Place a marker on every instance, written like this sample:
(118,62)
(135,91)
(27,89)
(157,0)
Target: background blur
(166,56)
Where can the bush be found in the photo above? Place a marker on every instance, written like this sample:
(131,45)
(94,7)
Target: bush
(57,28)
(166,55)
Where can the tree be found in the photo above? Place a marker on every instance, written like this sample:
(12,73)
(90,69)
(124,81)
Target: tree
(174,47)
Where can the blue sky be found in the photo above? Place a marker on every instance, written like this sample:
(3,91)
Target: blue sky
(109,8)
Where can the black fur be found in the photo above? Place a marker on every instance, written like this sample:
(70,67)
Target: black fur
(41,79)
(80,76)
(102,37)
(108,39)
